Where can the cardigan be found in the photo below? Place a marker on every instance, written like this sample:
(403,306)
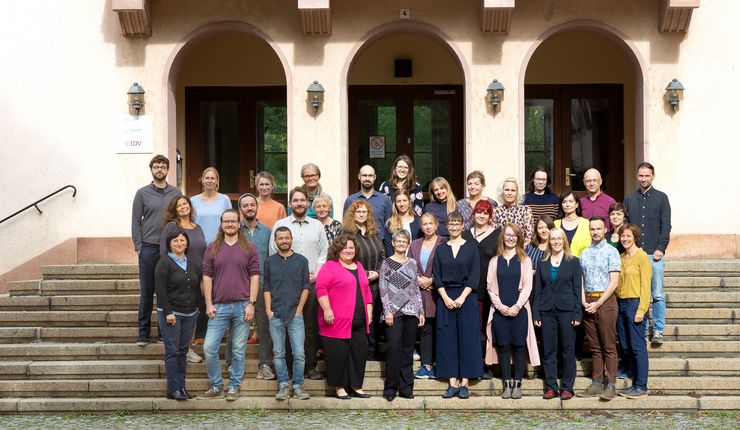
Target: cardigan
(525,287)
(177,290)
(564,294)
(428,297)
(582,238)
(339,284)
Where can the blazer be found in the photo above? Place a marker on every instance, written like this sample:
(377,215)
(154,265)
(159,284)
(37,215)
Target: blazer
(562,295)
(525,287)
(388,237)
(428,297)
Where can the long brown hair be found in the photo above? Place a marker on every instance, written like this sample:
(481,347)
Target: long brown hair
(519,240)
(547,219)
(395,222)
(170,214)
(348,223)
(244,243)
(410,181)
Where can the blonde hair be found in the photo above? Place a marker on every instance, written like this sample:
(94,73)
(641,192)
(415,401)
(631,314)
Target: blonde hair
(215,172)
(510,179)
(348,223)
(395,222)
(451,200)
(566,248)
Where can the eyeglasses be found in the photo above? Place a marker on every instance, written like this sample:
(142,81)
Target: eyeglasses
(228,221)
(511,236)
(362,211)
(313,176)
(540,179)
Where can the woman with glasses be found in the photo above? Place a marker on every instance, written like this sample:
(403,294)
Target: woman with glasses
(540,198)
(310,173)
(403,178)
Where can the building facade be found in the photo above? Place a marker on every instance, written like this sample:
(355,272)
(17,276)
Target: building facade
(226,85)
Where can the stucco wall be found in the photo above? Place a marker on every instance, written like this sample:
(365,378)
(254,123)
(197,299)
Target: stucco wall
(65,89)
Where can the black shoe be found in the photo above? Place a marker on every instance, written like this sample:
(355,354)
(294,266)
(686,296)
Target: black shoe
(314,374)
(360,395)
(406,396)
(463,393)
(344,397)
(389,396)
(187,393)
(177,395)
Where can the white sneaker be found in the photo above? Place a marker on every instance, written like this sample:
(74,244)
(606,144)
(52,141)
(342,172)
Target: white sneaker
(417,357)
(193,357)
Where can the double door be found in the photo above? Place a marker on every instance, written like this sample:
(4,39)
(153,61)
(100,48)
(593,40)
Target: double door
(239,131)
(571,128)
(423,122)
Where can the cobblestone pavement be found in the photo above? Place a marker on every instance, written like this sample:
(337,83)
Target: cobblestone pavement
(263,420)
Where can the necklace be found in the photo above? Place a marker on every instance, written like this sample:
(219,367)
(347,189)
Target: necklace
(475,232)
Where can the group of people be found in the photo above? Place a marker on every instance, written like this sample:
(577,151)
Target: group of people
(477,281)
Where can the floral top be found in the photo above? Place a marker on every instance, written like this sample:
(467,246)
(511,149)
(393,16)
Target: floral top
(332,230)
(398,288)
(466,210)
(520,215)
(417,196)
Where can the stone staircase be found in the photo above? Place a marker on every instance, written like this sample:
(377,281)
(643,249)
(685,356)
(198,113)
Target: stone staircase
(67,343)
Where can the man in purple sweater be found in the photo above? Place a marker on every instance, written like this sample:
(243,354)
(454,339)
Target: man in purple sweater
(231,272)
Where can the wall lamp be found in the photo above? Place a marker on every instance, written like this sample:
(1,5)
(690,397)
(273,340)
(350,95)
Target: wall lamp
(495,94)
(136,97)
(315,95)
(674,93)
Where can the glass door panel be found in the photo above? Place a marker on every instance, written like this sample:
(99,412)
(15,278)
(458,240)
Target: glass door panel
(377,118)
(539,140)
(589,137)
(272,142)
(432,139)
(219,133)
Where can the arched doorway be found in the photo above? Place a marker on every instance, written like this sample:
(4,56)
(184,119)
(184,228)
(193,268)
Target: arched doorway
(405,95)
(583,107)
(227,84)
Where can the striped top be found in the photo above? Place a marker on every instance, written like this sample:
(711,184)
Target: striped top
(545,204)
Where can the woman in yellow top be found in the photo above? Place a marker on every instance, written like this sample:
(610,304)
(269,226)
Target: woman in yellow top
(633,296)
(572,223)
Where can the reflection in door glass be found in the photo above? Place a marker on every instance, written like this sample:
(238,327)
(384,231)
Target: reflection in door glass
(377,118)
(589,137)
(432,140)
(220,141)
(272,141)
(538,135)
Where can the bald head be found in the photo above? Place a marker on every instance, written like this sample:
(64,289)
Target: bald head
(367,178)
(592,181)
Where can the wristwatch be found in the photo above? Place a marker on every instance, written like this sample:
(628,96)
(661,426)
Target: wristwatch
(249,302)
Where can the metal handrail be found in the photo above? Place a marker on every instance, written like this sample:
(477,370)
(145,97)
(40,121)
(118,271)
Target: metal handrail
(35,204)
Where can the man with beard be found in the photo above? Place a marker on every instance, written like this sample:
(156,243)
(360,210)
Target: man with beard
(380,202)
(309,240)
(259,234)
(149,205)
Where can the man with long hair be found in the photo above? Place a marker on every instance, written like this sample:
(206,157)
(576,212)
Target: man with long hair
(231,272)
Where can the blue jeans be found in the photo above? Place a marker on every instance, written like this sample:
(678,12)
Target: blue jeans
(296,335)
(632,341)
(148,258)
(227,315)
(176,341)
(656,288)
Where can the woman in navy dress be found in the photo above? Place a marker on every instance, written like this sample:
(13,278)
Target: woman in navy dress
(456,271)
(509,284)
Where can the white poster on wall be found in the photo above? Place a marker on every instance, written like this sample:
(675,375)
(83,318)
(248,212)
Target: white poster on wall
(134,135)
(377,146)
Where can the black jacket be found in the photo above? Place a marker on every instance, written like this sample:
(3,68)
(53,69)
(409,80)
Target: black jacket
(564,295)
(177,290)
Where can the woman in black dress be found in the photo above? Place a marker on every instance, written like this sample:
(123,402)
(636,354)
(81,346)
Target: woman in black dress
(456,271)
(485,235)
(509,285)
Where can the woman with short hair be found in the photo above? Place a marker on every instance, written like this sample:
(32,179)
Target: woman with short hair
(475,183)
(322,206)
(403,178)
(210,204)
(268,209)
(310,173)
(177,283)
(617,216)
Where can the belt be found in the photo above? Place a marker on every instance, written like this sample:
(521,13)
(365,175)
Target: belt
(594,295)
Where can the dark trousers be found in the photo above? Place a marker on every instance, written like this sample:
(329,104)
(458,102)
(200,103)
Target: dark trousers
(346,358)
(507,353)
(148,258)
(632,341)
(427,341)
(310,318)
(399,370)
(201,326)
(558,337)
(458,338)
(377,330)
(263,329)
(176,342)
(601,335)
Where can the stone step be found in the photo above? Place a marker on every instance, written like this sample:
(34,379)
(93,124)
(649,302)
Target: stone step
(708,283)
(730,267)
(72,303)
(62,351)
(430,404)
(702,315)
(155,368)
(71,334)
(90,271)
(702,299)
(702,332)
(659,385)
(68,287)
(70,318)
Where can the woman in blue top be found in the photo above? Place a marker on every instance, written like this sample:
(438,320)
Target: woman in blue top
(210,204)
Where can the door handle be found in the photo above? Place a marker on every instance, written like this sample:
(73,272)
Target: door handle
(251,179)
(568,175)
